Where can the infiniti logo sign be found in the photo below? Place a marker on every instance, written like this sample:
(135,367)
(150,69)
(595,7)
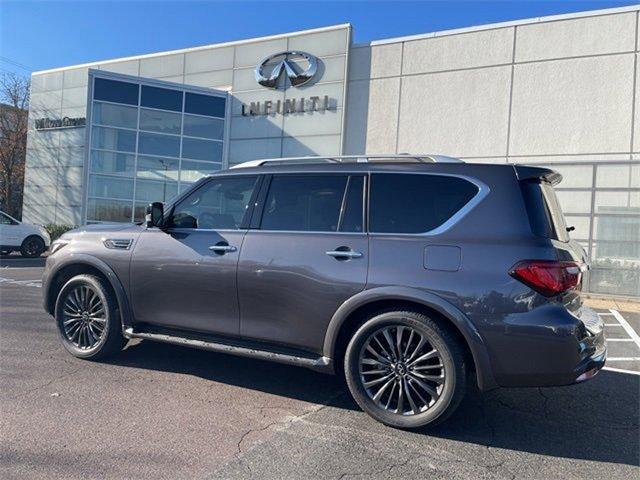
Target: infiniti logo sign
(271,68)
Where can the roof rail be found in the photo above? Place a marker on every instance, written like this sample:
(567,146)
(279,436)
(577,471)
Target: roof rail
(382,158)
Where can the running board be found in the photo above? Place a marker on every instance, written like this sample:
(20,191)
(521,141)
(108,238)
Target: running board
(319,364)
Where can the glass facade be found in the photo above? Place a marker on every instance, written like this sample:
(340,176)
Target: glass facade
(148,143)
(602,201)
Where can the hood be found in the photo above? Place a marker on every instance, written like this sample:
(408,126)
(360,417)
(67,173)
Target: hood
(105,228)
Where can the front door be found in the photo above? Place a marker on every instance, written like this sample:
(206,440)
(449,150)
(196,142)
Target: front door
(184,276)
(308,255)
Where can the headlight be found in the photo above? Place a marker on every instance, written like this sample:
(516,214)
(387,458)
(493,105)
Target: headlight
(57,245)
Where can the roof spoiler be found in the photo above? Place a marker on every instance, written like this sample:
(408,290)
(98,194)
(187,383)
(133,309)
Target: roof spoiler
(525,172)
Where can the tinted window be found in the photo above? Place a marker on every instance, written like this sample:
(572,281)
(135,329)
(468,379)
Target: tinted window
(4,220)
(415,203)
(153,144)
(112,163)
(114,115)
(109,210)
(151,191)
(155,168)
(113,91)
(545,214)
(113,139)
(202,149)
(204,127)
(192,171)
(110,187)
(157,121)
(220,203)
(304,203)
(352,209)
(163,98)
(204,105)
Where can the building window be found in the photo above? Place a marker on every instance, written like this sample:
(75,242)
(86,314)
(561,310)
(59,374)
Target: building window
(602,201)
(204,105)
(162,98)
(147,144)
(114,91)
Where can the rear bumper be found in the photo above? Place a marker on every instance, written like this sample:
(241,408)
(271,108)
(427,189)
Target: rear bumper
(548,346)
(593,348)
(590,367)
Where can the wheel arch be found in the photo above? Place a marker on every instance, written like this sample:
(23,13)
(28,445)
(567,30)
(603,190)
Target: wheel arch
(352,312)
(85,264)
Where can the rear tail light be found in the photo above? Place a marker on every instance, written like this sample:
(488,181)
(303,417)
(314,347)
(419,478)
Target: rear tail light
(548,277)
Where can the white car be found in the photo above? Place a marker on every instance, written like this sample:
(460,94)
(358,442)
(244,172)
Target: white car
(30,239)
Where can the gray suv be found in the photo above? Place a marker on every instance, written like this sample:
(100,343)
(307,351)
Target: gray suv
(408,275)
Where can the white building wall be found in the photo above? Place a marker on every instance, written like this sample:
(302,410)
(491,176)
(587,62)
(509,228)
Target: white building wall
(533,91)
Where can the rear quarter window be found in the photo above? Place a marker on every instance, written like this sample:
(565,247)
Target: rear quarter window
(545,215)
(416,203)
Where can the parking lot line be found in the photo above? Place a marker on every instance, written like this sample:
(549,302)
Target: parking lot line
(622,370)
(620,340)
(630,331)
(26,283)
(622,359)
(612,325)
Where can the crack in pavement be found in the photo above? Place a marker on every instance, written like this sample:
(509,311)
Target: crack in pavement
(546,401)
(44,385)
(500,463)
(286,421)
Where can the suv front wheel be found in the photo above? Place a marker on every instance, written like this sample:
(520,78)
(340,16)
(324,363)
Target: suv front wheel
(87,318)
(405,370)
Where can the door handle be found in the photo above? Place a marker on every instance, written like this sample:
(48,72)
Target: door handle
(221,249)
(344,254)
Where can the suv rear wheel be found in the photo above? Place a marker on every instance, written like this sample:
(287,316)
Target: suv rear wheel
(405,370)
(87,318)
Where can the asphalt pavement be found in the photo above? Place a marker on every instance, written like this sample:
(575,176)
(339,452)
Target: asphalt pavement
(160,411)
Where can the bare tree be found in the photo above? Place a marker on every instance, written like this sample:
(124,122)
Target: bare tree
(14,106)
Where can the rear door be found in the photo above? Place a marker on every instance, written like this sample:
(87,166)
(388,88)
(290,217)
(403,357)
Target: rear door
(306,256)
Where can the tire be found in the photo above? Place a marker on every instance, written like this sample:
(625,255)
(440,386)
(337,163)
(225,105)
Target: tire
(32,247)
(96,332)
(445,384)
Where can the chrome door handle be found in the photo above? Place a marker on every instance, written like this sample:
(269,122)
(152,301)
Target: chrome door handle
(344,254)
(223,248)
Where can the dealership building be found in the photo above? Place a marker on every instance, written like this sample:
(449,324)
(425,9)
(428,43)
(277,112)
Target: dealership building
(109,137)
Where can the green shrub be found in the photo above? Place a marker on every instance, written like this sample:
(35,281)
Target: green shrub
(55,231)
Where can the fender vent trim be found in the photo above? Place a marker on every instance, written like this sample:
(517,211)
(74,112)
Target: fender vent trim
(118,243)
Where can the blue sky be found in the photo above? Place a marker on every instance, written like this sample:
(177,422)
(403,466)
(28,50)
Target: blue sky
(47,34)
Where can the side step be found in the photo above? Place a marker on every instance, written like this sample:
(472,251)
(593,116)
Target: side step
(319,364)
